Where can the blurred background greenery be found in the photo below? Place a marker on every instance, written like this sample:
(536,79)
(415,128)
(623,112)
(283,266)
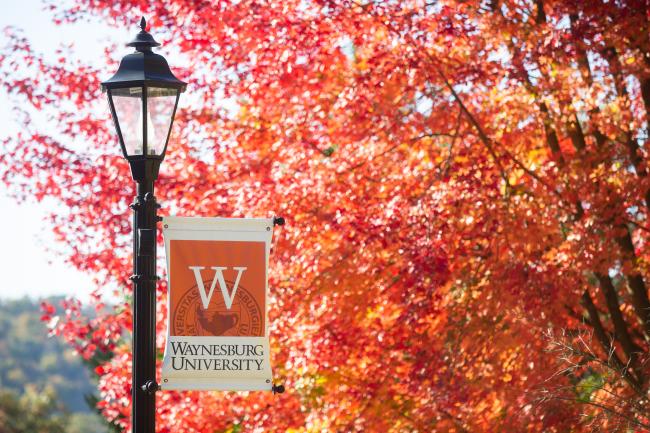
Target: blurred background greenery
(44,386)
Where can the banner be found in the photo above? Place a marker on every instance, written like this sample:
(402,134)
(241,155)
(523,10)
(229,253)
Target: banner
(217,333)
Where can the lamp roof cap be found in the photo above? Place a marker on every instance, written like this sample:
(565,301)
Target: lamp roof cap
(143,67)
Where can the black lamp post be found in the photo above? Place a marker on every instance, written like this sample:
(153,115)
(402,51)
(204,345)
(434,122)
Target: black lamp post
(143,95)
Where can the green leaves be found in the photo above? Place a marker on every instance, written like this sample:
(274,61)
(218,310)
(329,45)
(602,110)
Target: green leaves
(588,385)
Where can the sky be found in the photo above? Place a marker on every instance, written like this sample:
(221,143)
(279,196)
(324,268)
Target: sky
(28,264)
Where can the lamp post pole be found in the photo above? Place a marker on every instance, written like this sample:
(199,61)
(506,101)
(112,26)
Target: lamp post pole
(143,383)
(143,96)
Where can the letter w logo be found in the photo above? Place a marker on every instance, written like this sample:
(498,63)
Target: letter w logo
(218,277)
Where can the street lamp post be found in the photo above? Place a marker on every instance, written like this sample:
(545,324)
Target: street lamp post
(143,96)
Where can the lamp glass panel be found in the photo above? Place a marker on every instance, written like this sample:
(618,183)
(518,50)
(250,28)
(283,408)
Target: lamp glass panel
(128,109)
(160,112)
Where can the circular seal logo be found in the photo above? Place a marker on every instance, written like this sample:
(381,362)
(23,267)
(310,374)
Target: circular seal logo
(244,318)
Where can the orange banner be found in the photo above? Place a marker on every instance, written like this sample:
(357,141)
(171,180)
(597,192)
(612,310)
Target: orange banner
(219,288)
(217,336)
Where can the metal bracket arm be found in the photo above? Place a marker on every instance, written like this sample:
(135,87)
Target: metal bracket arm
(138,278)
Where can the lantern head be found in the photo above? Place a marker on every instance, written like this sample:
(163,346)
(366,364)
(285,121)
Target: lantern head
(143,96)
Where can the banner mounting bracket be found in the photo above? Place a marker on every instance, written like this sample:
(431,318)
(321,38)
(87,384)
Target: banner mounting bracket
(150,387)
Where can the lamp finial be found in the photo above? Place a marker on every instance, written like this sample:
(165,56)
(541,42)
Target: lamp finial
(143,41)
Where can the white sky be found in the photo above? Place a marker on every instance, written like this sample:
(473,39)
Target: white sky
(27,264)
